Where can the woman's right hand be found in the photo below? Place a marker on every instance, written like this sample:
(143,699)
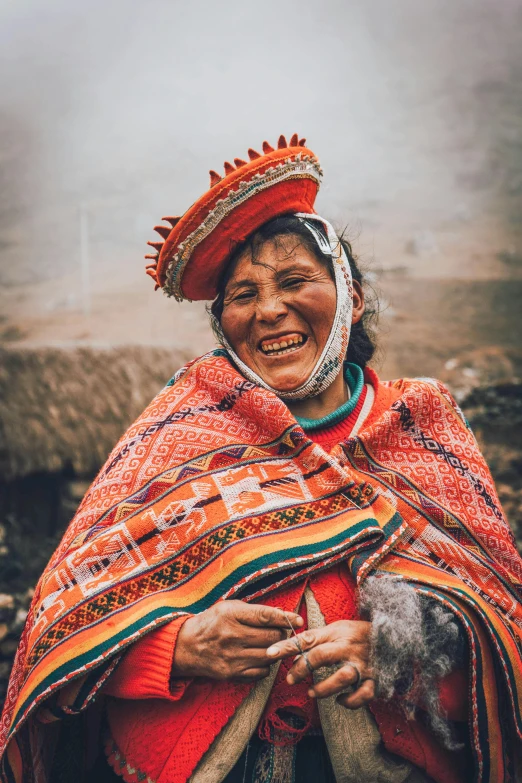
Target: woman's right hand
(229,640)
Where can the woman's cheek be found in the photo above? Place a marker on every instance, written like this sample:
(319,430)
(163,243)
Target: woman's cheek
(319,310)
(236,328)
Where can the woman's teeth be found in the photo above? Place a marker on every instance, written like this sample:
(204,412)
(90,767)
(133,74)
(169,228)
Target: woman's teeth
(287,345)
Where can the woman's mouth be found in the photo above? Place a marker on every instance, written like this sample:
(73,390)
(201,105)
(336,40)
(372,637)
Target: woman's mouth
(283,345)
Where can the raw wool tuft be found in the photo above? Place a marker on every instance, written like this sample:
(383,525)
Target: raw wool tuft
(415,642)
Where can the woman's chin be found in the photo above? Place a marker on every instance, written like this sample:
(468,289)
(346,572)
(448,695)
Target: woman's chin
(283,373)
(285,380)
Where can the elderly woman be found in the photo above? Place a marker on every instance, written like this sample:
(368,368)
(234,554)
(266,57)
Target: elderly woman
(287,570)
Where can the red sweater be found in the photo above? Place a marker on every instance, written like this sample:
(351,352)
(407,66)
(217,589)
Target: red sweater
(163,727)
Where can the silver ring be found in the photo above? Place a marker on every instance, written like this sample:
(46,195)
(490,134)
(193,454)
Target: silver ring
(305,656)
(308,664)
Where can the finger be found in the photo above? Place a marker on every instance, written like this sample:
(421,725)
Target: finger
(261,637)
(253,659)
(364,694)
(343,678)
(301,641)
(261,616)
(328,654)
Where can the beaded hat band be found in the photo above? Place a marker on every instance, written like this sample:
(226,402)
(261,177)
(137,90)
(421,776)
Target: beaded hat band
(189,260)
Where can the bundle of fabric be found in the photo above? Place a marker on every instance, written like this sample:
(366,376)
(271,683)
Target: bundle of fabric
(215,488)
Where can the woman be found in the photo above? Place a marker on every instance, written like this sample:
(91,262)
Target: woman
(287,570)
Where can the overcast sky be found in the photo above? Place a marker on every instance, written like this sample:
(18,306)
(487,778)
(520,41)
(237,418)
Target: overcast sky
(123,106)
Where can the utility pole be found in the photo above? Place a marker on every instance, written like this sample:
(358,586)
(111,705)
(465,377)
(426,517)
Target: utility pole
(85,260)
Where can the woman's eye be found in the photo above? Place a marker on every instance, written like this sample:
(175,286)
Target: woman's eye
(291,282)
(243,296)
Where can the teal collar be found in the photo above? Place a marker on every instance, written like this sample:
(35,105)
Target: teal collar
(353,375)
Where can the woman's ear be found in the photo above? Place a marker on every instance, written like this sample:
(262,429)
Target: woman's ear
(358,305)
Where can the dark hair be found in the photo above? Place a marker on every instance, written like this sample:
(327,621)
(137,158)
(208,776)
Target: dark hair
(362,345)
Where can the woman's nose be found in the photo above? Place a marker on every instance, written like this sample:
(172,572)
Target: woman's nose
(270,307)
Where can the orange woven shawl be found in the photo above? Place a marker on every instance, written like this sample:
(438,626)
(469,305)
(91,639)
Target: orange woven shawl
(216,492)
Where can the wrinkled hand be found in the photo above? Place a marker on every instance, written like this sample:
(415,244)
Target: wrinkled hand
(332,645)
(229,641)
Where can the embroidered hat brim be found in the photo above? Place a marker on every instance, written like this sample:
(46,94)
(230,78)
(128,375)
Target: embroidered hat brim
(192,257)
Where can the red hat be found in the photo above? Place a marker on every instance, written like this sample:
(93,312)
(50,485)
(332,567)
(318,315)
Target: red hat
(188,262)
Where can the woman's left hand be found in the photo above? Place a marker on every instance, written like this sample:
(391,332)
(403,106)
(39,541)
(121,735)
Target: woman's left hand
(345,644)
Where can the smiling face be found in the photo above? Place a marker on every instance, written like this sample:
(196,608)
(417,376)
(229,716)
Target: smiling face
(278,311)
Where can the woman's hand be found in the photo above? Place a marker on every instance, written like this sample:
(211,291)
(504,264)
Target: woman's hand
(345,644)
(229,641)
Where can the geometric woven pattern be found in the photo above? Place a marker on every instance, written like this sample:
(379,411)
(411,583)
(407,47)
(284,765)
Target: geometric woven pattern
(216,491)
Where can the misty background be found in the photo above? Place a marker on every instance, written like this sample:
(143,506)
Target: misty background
(111,114)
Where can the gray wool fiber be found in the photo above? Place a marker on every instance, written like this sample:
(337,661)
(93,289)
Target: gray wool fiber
(415,642)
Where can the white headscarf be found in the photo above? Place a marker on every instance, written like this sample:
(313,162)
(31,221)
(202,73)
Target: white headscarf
(330,362)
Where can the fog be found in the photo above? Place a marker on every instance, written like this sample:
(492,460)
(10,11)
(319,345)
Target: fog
(116,110)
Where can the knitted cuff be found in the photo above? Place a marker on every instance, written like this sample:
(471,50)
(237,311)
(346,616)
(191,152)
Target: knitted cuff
(145,671)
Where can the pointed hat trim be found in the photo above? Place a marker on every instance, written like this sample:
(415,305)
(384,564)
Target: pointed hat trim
(195,251)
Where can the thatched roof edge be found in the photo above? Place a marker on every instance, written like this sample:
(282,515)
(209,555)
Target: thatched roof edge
(66,408)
